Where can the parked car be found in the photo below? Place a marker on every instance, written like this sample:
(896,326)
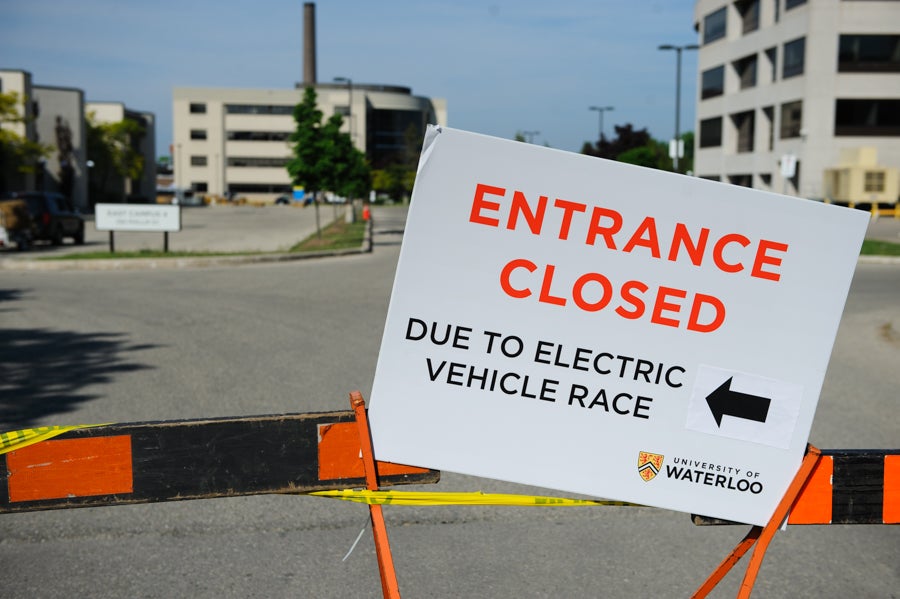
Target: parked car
(53,215)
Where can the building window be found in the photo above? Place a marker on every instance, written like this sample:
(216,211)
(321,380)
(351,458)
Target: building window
(198,133)
(257,161)
(258,188)
(789,4)
(257,135)
(342,110)
(766,179)
(772,55)
(749,11)
(794,54)
(795,180)
(713,82)
(259,109)
(869,54)
(711,177)
(745,125)
(198,160)
(874,182)
(791,119)
(393,135)
(200,186)
(711,132)
(867,117)
(742,180)
(198,108)
(769,114)
(777,10)
(714,25)
(746,71)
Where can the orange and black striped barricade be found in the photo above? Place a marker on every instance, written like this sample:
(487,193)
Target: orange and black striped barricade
(833,486)
(116,464)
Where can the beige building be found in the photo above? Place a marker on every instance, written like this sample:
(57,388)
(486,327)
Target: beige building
(236,141)
(55,116)
(111,187)
(786,86)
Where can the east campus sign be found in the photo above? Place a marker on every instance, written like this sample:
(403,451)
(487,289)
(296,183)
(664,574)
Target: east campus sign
(599,328)
(163,218)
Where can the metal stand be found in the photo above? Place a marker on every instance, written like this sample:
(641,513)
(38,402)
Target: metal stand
(389,586)
(762,535)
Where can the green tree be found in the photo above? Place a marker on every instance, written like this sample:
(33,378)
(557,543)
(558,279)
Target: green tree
(308,164)
(112,152)
(18,155)
(382,180)
(324,158)
(627,138)
(637,147)
(347,172)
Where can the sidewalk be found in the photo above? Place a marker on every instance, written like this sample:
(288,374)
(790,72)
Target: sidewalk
(884,228)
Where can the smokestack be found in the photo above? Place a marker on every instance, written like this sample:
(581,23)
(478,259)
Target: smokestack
(309,43)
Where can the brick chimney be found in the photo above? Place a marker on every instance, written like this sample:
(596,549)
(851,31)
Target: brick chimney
(309,43)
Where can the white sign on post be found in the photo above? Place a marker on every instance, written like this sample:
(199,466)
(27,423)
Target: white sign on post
(137,217)
(594,327)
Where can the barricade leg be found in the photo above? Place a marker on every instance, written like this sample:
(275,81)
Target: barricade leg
(728,563)
(762,535)
(389,586)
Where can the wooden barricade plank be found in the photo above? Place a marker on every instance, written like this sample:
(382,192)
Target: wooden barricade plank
(192,459)
(847,486)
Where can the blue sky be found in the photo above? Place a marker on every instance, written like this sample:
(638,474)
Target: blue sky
(502,65)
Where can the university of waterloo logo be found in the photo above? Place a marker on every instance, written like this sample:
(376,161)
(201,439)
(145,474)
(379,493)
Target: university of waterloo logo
(649,465)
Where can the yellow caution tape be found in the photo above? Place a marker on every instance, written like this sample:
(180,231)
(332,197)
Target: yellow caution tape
(473,498)
(18,439)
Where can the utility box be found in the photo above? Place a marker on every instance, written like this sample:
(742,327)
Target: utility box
(859,179)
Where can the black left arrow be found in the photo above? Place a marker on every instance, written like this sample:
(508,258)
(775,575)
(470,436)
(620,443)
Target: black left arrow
(725,402)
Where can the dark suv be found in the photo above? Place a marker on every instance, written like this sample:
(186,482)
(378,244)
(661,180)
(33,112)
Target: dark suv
(53,215)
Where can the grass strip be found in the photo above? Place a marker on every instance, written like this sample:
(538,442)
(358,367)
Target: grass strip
(874,247)
(338,235)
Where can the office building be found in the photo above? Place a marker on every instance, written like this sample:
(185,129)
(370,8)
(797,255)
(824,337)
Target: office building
(791,88)
(229,142)
(57,117)
(236,141)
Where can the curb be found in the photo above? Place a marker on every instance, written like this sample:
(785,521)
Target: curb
(878,260)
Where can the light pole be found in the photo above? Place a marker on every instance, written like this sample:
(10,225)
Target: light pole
(529,135)
(349,83)
(601,110)
(678,50)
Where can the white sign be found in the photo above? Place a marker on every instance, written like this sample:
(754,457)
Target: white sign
(137,217)
(676,148)
(595,327)
(788,166)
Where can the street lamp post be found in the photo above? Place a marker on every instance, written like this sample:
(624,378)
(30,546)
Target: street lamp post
(601,110)
(349,83)
(678,50)
(529,135)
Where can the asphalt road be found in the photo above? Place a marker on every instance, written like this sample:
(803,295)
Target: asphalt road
(86,347)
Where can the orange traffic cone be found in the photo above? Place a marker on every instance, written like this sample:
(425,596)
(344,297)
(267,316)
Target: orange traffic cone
(366,214)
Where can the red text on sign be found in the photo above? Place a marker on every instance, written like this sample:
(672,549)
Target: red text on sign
(728,252)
